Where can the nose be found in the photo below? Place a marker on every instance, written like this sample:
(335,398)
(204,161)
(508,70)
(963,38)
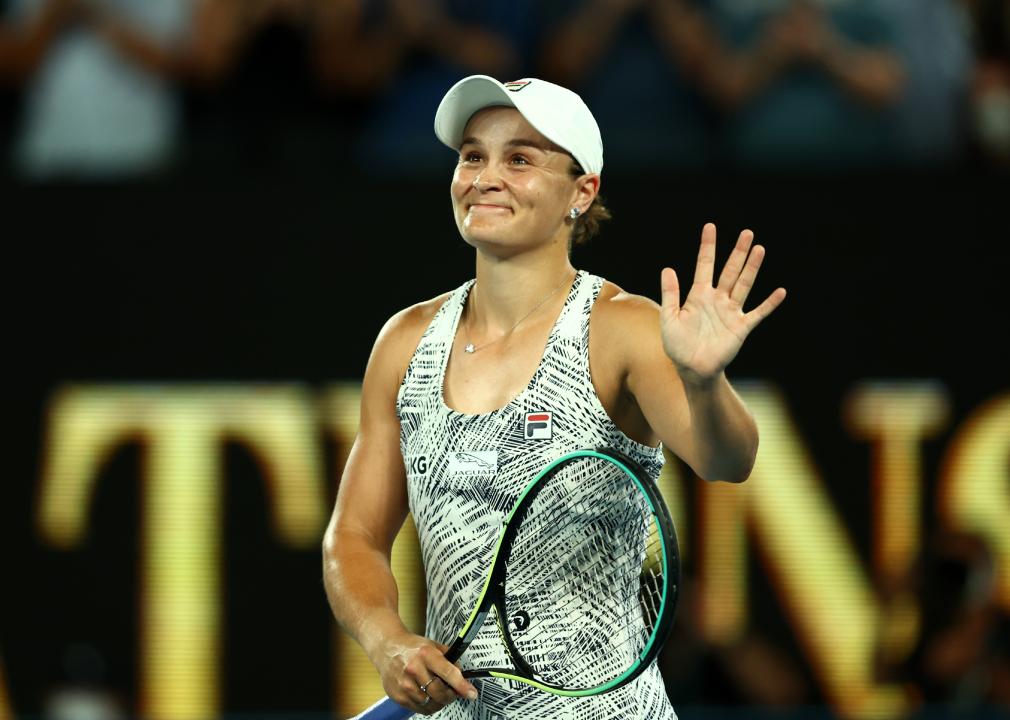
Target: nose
(487,179)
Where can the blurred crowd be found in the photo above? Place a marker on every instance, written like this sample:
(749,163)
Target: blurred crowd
(132,89)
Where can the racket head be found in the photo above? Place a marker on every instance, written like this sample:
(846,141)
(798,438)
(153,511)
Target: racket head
(585,578)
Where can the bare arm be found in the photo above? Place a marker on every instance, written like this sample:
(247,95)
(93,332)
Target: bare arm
(677,375)
(370,509)
(350,57)
(203,56)
(578,43)
(804,35)
(21,49)
(690,41)
(875,76)
(705,424)
(476,47)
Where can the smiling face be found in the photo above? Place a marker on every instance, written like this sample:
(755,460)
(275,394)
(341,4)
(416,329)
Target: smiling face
(513,188)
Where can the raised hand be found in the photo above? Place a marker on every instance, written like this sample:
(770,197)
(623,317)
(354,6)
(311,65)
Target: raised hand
(703,335)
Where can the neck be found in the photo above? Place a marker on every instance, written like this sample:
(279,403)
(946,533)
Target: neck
(505,291)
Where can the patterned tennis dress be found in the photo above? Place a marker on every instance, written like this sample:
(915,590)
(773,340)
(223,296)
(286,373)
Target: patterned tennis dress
(464,473)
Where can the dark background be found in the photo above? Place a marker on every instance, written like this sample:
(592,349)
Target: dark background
(271,247)
(896,277)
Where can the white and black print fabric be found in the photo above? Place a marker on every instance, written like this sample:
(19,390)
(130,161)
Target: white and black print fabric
(465,472)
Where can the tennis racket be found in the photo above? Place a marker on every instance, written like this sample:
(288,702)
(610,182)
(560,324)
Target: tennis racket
(583,583)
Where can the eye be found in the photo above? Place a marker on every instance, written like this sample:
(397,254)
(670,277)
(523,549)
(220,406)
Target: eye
(470,156)
(520,160)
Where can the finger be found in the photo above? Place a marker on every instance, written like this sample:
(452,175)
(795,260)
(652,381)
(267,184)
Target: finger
(452,679)
(417,673)
(441,694)
(735,263)
(755,316)
(706,256)
(670,292)
(428,704)
(415,698)
(744,283)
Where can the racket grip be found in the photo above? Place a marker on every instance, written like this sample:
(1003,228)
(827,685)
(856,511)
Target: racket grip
(385,709)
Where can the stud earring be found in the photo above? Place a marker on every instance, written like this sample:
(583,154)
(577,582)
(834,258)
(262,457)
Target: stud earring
(574,213)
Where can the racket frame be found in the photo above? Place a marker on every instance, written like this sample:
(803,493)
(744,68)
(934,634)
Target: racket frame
(492,595)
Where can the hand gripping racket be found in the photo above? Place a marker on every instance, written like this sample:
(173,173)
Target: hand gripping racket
(583,583)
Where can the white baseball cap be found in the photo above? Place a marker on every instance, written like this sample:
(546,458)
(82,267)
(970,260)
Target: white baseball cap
(557,113)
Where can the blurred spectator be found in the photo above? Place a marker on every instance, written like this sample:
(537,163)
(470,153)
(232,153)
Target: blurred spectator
(635,63)
(931,118)
(83,695)
(262,81)
(445,40)
(961,662)
(807,84)
(990,101)
(23,43)
(242,115)
(289,89)
(92,112)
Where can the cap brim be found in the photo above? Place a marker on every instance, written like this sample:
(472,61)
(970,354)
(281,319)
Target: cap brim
(464,99)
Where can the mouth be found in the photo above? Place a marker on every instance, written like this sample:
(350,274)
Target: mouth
(488,207)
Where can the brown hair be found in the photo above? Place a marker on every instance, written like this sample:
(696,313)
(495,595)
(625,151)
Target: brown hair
(587,226)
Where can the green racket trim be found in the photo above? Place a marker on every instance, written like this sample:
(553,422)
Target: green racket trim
(550,688)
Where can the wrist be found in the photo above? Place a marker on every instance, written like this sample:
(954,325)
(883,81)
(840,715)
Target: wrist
(699,382)
(382,630)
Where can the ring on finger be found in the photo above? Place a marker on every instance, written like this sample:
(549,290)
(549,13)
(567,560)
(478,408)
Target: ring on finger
(424,688)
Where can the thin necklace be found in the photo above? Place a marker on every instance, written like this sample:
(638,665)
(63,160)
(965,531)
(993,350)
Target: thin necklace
(470,346)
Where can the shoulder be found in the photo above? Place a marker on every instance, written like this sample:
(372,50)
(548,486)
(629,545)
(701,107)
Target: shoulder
(623,330)
(620,311)
(399,336)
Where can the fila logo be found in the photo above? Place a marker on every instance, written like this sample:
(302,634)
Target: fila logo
(539,426)
(516,85)
(417,464)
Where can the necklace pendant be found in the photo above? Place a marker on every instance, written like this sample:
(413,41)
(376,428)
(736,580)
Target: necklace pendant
(469,347)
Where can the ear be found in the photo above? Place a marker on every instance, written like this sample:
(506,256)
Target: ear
(587,187)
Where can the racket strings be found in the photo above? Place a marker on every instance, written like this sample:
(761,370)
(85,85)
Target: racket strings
(586,569)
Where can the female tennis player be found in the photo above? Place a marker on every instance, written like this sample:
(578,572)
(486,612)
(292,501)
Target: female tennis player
(467,395)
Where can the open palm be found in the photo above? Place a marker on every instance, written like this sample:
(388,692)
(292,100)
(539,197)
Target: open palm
(703,335)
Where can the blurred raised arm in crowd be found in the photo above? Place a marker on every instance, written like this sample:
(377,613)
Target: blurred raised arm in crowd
(87,111)
(761,82)
(444,40)
(130,89)
(804,82)
(636,63)
(24,41)
(251,75)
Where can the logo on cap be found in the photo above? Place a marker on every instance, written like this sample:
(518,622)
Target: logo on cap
(516,85)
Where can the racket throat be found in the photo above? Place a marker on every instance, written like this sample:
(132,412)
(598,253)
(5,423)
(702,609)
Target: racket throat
(463,641)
